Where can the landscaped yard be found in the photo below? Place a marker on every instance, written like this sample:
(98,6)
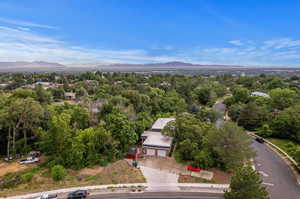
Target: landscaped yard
(115,173)
(220,177)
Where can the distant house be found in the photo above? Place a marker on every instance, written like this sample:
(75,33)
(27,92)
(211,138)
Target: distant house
(154,142)
(94,108)
(259,94)
(70,96)
(43,83)
(3,84)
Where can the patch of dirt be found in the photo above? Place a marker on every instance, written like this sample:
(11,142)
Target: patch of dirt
(114,173)
(120,172)
(90,171)
(221,177)
(14,166)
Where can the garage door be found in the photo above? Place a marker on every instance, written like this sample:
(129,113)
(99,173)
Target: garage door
(150,152)
(161,153)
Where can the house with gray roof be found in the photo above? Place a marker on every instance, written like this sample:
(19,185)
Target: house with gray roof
(154,142)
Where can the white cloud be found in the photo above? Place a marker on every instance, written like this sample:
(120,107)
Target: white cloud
(271,52)
(281,43)
(25,23)
(236,42)
(17,44)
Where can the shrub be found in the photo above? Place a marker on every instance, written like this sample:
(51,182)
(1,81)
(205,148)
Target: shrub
(27,177)
(58,172)
(203,160)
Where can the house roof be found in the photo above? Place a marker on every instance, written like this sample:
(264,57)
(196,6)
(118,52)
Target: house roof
(69,94)
(160,123)
(158,140)
(43,83)
(148,133)
(260,94)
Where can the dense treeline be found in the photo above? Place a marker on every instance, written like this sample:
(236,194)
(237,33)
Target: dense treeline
(34,115)
(110,111)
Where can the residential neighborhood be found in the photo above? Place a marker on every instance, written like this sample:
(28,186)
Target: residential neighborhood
(88,130)
(131,99)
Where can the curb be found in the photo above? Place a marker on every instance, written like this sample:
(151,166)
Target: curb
(218,188)
(291,162)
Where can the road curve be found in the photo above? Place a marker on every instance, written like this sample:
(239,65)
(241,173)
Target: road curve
(276,174)
(221,108)
(159,195)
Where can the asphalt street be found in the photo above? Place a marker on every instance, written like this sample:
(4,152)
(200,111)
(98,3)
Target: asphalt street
(277,176)
(220,107)
(159,195)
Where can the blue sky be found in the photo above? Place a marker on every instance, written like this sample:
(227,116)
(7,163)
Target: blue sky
(248,32)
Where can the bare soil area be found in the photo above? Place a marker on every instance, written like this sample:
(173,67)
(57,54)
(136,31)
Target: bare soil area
(114,173)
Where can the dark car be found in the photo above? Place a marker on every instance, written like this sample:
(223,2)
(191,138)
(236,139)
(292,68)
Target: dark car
(260,140)
(79,194)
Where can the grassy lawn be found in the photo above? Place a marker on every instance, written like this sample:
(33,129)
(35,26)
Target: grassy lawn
(114,173)
(283,144)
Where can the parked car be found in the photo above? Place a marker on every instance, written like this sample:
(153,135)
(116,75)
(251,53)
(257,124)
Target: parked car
(133,153)
(260,140)
(48,196)
(192,168)
(29,160)
(79,194)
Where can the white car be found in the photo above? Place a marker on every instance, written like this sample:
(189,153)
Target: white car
(47,196)
(29,160)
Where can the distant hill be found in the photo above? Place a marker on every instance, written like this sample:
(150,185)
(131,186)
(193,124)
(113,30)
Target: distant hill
(36,66)
(174,64)
(167,64)
(166,67)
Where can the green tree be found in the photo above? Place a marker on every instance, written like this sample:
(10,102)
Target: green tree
(43,96)
(283,98)
(58,172)
(234,111)
(241,95)
(286,124)
(203,159)
(187,149)
(246,184)
(265,131)
(57,141)
(252,116)
(231,145)
(21,114)
(208,115)
(203,95)
(122,130)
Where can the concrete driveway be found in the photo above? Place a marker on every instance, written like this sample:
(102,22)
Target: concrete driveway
(169,165)
(159,180)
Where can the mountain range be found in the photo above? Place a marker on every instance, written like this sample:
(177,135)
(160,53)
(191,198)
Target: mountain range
(42,66)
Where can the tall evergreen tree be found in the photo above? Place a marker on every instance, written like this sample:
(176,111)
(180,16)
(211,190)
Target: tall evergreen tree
(246,184)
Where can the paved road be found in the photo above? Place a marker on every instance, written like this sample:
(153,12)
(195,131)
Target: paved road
(160,195)
(220,107)
(277,176)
